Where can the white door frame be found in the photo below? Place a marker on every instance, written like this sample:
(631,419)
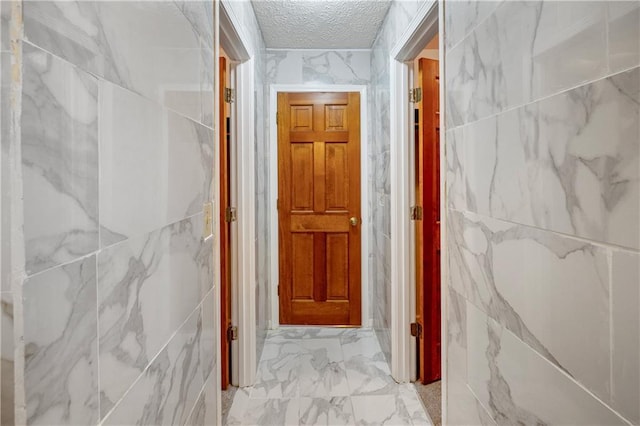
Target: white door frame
(236,45)
(422,29)
(273,190)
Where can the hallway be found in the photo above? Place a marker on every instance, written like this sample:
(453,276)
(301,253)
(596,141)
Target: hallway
(330,376)
(113,120)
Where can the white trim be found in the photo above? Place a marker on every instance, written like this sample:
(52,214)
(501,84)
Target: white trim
(237,47)
(233,42)
(233,229)
(408,47)
(245,253)
(273,189)
(215,199)
(400,223)
(419,32)
(444,261)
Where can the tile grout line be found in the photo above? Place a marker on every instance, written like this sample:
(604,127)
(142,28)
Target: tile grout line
(146,368)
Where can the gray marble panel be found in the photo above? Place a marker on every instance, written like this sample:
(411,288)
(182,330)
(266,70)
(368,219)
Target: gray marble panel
(7,358)
(570,163)
(623,35)
(5,17)
(549,290)
(196,418)
(209,336)
(5,162)
(455,171)
(61,359)
(625,392)
(200,16)
(456,351)
(155,170)
(519,387)
(336,67)
(522,52)
(461,17)
(463,409)
(59,160)
(151,47)
(148,287)
(284,66)
(170,387)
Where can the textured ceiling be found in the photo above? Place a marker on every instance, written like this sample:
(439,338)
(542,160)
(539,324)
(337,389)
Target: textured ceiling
(320,24)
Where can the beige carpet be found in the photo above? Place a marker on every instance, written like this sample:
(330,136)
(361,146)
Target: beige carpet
(431,396)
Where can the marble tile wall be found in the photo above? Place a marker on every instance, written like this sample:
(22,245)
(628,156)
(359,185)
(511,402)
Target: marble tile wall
(7,358)
(116,131)
(543,184)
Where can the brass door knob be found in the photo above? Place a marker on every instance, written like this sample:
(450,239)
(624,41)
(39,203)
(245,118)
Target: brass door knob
(353,221)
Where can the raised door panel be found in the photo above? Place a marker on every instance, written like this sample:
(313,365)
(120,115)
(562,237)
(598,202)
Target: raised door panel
(338,266)
(301,118)
(302,248)
(337,176)
(336,117)
(302,176)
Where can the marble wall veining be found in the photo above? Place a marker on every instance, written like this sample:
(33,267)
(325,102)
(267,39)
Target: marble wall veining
(116,137)
(543,206)
(7,355)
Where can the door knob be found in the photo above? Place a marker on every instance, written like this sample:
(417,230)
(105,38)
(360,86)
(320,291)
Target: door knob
(353,221)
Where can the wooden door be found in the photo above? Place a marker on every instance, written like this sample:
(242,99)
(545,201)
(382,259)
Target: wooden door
(225,232)
(428,229)
(319,208)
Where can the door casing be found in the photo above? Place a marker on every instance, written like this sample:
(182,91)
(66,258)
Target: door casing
(238,47)
(421,29)
(273,190)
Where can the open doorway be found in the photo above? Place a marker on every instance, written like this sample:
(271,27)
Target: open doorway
(426,212)
(426,217)
(235,213)
(416,186)
(227,217)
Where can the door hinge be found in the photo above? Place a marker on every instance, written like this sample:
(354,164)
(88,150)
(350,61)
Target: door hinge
(232,333)
(415,95)
(416,329)
(277,118)
(229,95)
(278,289)
(230,215)
(416,213)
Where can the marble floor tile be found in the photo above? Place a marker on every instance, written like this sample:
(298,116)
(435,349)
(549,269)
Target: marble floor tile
(326,411)
(325,376)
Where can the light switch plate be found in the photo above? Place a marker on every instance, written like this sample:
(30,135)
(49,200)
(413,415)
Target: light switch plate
(207,229)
